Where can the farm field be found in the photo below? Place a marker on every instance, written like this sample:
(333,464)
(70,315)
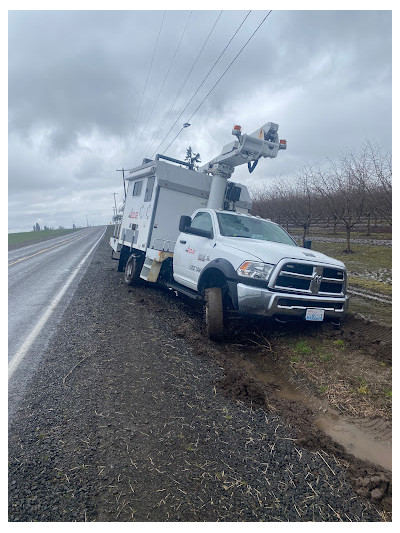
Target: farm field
(28,237)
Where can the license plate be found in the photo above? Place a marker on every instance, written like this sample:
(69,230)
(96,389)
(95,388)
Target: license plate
(315,315)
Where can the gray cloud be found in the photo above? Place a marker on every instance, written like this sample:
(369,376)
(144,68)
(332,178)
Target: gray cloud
(76,79)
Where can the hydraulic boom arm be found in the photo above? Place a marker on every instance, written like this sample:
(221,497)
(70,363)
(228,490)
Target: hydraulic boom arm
(263,142)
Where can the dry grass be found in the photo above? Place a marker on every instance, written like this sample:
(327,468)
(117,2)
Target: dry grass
(352,381)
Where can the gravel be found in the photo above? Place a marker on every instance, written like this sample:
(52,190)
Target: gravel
(123,421)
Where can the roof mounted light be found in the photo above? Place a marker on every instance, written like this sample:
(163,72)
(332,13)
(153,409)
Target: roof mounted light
(237,130)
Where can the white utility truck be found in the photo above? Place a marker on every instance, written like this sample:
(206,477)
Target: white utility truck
(191,230)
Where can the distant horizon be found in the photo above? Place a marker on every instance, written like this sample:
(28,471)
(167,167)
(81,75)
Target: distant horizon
(64,227)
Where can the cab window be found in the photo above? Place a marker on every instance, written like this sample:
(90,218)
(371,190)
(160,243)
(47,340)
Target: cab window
(137,188)
(202,221)
(149,189)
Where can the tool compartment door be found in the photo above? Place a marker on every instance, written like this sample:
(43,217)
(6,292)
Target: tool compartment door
(171,204)
(139,205)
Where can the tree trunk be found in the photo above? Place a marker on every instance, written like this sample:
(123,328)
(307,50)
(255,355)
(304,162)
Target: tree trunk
(369,225)
(304,233)
(348,249)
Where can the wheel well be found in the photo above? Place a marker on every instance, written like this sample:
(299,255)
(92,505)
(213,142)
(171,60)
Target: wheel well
(166,272)
(211,278)
(125,253)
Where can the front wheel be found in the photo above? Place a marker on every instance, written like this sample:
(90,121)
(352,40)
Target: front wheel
(214,313)
(132,270)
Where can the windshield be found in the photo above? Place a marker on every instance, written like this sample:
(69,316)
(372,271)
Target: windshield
(252,228)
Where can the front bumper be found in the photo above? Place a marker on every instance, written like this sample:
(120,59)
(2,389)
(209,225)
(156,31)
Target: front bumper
(259,301)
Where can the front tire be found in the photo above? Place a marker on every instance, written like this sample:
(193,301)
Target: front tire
(132,270)
(214,313)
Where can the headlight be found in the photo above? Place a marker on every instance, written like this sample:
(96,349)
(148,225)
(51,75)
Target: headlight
(255,270)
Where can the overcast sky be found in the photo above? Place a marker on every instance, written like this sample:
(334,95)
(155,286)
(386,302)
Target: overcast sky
(95,91)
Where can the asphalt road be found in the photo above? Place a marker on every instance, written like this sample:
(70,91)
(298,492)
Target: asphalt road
(42,278)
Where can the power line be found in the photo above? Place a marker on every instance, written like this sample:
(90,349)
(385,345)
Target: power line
(230,64)
(163,83)
(222,75)
(144,88)
(148,149)
(202,83)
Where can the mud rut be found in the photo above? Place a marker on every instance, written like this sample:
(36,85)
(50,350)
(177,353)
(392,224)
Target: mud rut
(44,430)
(249,340)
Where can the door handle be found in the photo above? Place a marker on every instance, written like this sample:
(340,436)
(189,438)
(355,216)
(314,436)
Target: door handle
(183,242)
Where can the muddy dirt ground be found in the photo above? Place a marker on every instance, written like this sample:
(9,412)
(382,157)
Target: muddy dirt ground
(305,373)
(135,415)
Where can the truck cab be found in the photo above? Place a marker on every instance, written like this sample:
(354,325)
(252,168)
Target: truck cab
(257,267)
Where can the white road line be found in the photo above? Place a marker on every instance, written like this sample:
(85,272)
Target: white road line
(19,356)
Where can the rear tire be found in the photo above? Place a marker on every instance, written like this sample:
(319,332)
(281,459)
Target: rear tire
(123,258)
(132,270)
(214,313)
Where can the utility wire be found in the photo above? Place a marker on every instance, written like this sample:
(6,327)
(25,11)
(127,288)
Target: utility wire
(148,149)
(222,75)
(229,66)
(144,88)
(163,83)
(202,83)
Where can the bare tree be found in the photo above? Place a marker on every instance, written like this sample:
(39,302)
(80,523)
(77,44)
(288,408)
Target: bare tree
(351,189)
(304,201)
(293,201)
(192,158)
(379,184)
(343,188)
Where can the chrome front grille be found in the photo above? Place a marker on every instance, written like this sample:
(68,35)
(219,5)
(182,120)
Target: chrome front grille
(308,278)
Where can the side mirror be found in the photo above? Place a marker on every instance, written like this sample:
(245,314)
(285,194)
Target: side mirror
(307,244)
(184,223)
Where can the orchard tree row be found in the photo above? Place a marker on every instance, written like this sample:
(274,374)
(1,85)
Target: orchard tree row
(354,188)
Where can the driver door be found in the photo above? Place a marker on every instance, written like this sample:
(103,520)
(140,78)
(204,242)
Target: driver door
(193,252)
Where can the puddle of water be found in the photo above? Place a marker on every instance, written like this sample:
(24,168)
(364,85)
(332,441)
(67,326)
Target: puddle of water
(354,440)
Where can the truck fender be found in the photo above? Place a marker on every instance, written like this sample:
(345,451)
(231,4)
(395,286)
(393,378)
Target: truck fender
(219,273)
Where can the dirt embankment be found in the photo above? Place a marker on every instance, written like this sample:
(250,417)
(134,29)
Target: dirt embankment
(135,415)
